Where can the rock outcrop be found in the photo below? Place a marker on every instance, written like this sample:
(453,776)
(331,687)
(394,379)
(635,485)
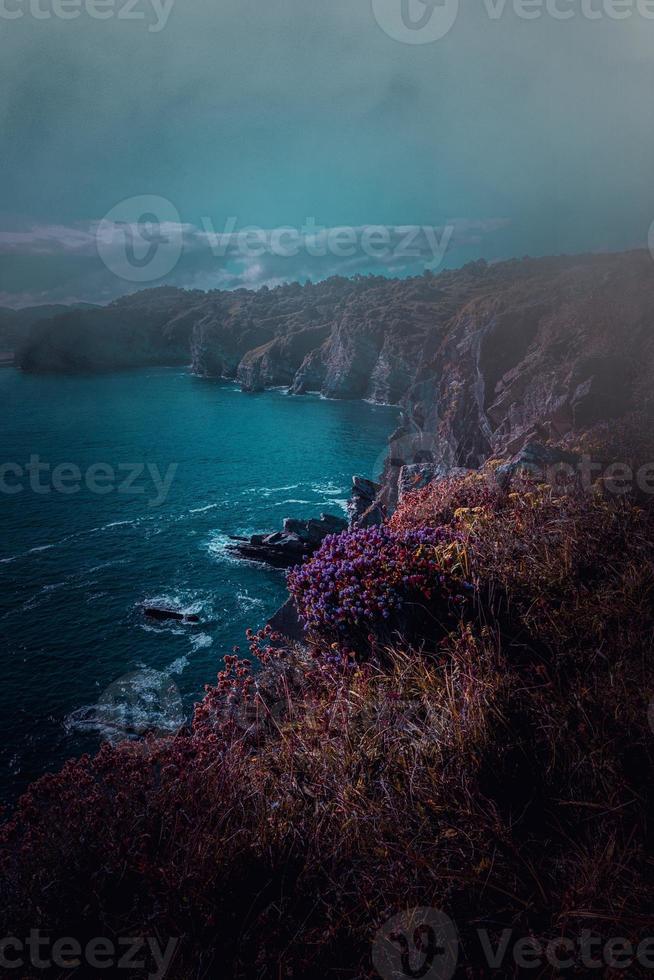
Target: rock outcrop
(297,540)
(363,508)
(536,460)
(163,613)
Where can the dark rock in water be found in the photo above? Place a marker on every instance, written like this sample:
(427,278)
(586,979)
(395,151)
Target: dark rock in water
(283,549)
(543,462)
(161,613)
(279,550)
(315,531)
(287,622)
(363,507)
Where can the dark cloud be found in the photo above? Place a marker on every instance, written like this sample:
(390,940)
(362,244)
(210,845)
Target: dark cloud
(272,110)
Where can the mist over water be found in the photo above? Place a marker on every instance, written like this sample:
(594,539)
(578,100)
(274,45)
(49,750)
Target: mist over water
(76,567)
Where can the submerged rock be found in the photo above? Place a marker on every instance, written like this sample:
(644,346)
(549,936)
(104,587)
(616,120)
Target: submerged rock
(162,613)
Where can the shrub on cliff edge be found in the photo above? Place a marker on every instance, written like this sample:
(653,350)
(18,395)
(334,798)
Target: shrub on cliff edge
(363,586)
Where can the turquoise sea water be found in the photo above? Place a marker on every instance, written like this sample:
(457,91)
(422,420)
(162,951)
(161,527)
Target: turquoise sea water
(75,567)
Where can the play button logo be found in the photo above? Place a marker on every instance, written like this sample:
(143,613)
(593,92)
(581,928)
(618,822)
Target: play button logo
(419,944)
(416,21)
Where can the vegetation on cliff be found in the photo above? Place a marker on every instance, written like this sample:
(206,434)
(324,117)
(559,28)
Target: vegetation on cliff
(467,729)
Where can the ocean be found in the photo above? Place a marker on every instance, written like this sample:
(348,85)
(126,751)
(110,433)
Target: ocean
(119,490)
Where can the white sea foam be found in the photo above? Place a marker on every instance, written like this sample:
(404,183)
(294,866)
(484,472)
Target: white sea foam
(247,602)
(107,564)
(329,489)
(184,602)
(43,595)
(218,547)
(145,700)
(202,510)
(200,641)
(266,491)
(161,628)
(38,549)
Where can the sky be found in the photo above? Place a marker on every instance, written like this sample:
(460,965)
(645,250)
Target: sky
(140,138)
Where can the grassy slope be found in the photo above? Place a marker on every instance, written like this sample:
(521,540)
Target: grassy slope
(502,772)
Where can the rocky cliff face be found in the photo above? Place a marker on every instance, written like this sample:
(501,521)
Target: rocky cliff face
(481,359)
(540,350)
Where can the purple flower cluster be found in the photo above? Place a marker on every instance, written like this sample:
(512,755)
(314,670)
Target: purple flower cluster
(359,578)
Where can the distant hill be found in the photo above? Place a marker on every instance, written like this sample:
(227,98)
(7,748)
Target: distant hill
(15,324)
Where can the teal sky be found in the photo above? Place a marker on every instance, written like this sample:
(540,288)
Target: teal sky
(528,136)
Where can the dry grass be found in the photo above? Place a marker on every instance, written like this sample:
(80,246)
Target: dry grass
(505,778)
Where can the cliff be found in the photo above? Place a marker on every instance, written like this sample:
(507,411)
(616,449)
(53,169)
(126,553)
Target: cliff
(465,731)
(481,359)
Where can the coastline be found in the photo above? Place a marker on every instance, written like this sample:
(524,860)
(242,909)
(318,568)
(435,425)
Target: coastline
(101,556)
